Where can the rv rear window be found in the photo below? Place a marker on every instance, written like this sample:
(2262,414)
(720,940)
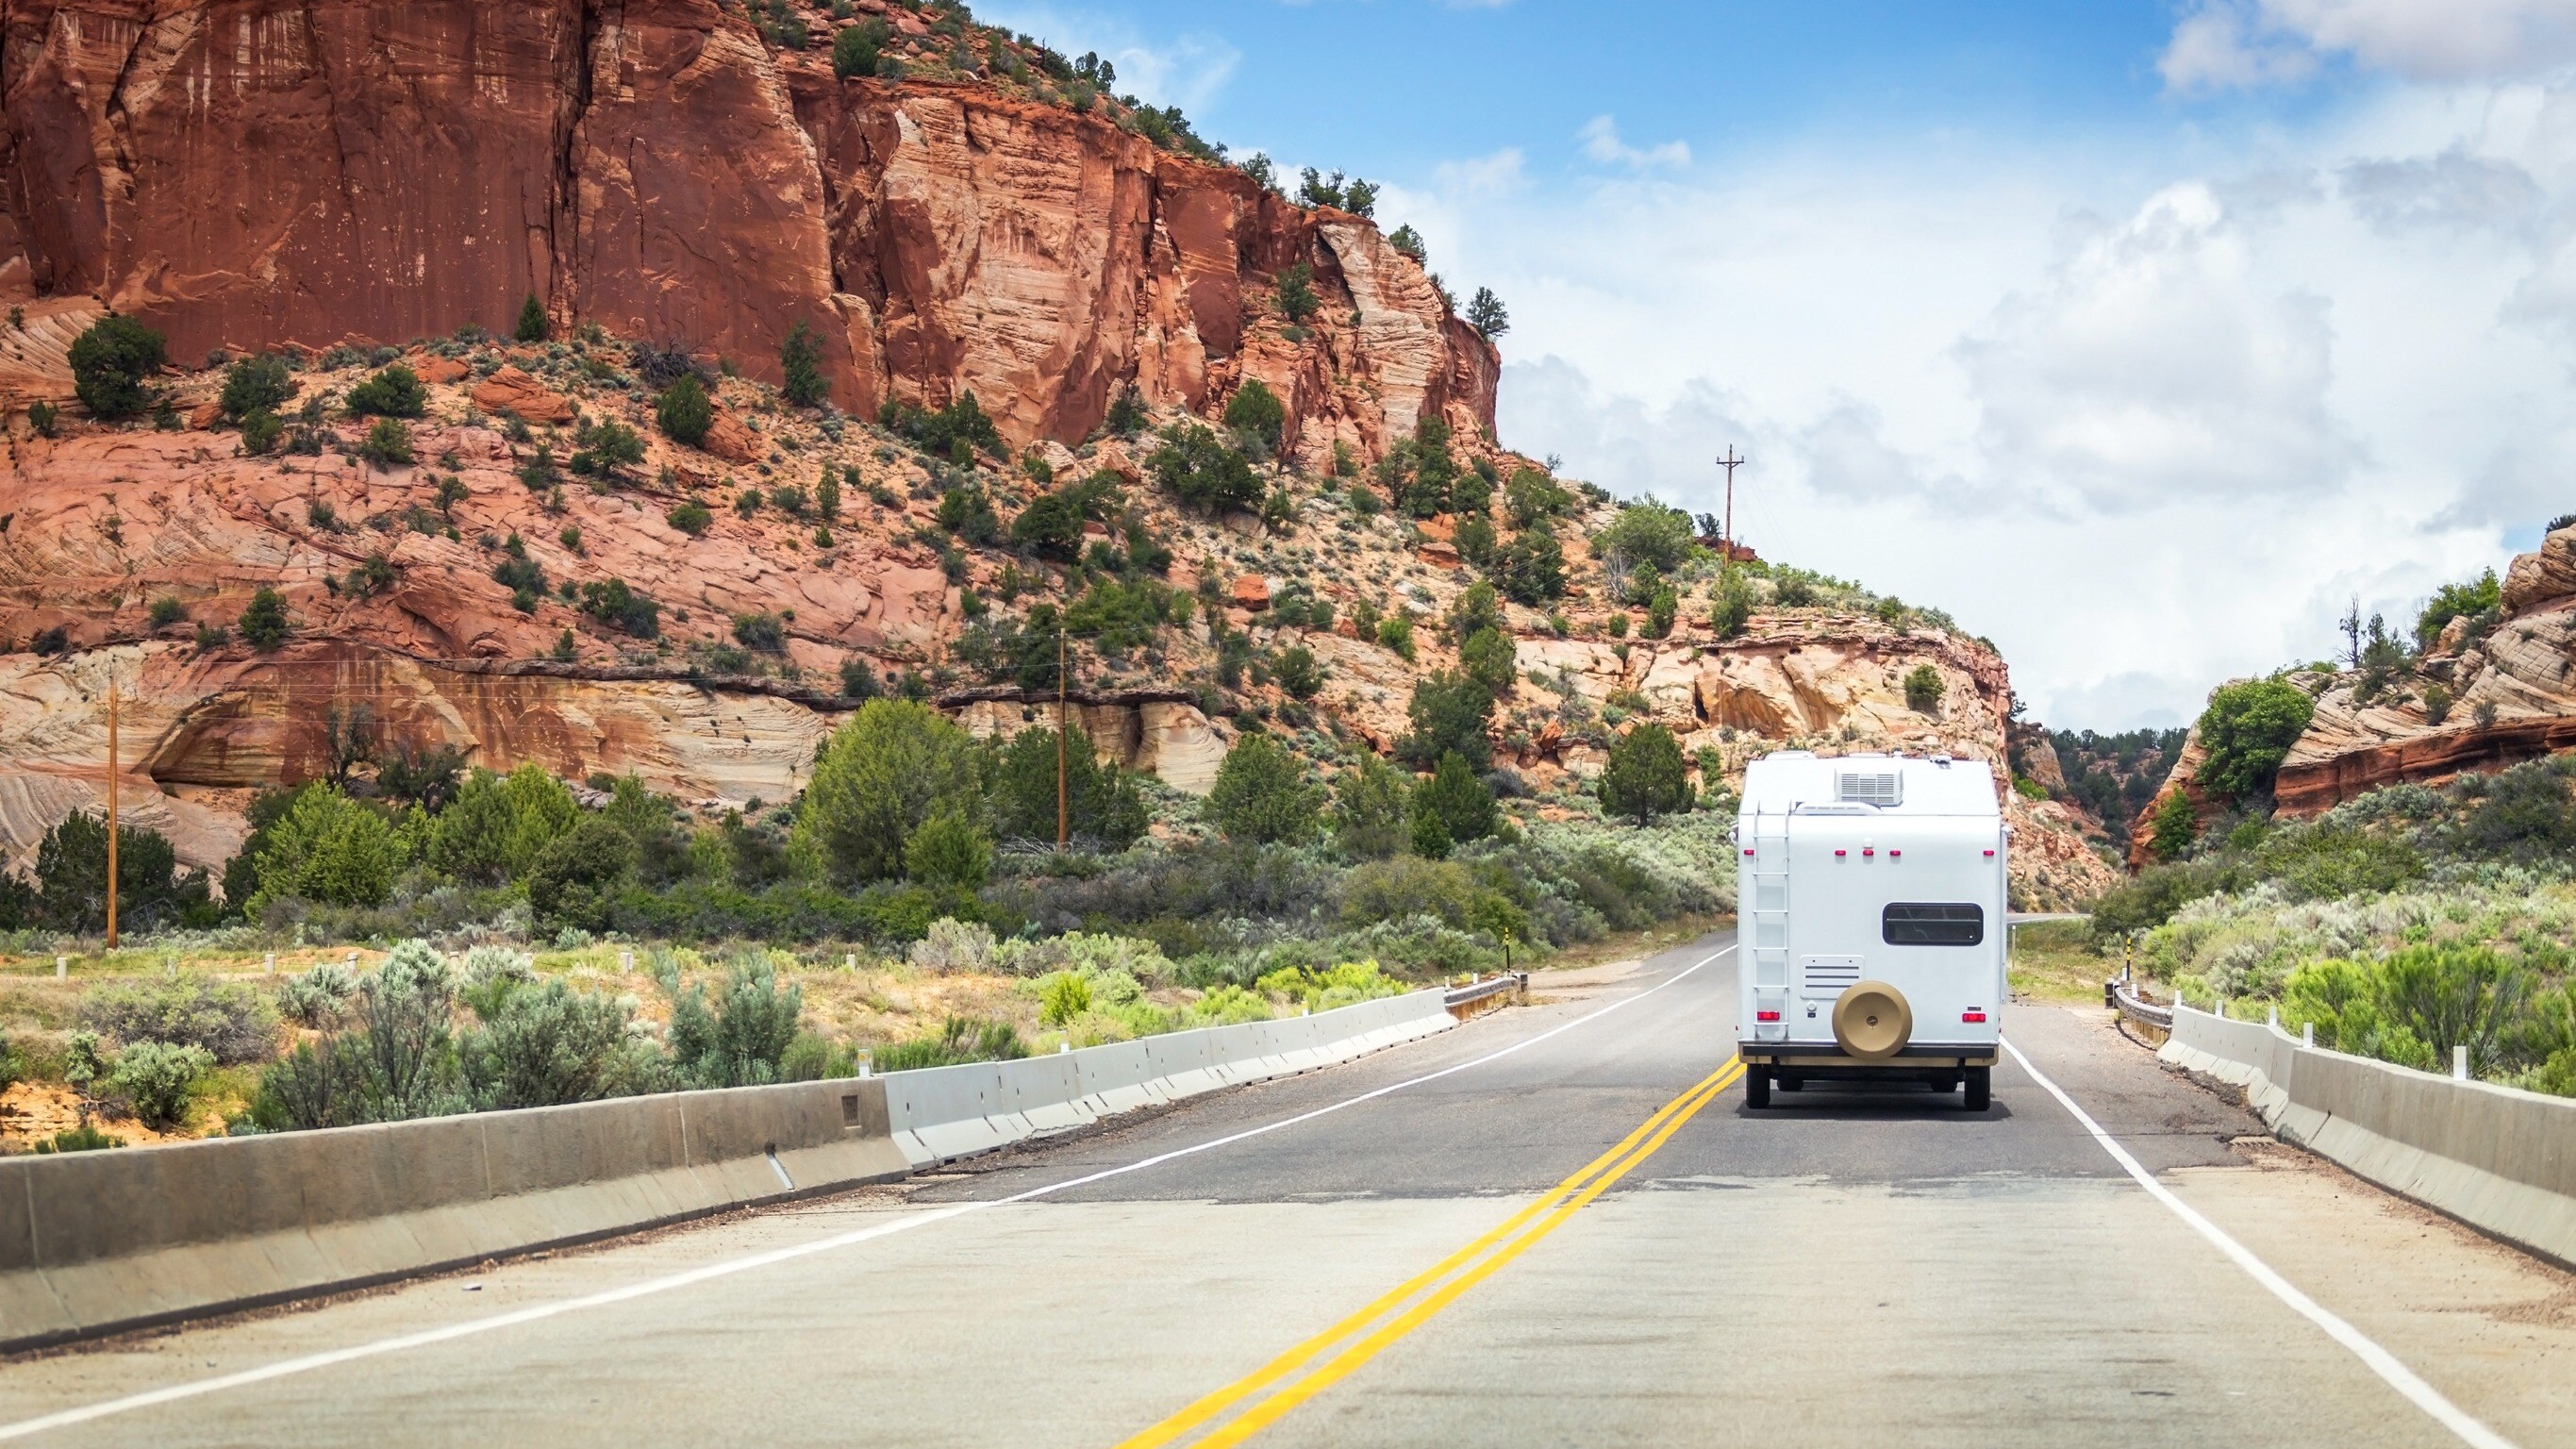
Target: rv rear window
(1933,923)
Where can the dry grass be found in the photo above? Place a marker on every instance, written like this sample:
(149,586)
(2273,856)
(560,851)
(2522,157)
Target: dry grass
(2054,961)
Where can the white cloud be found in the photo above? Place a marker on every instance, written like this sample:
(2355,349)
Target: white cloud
(2230,44)
(2145,420)
(1601,142)
(2156,363)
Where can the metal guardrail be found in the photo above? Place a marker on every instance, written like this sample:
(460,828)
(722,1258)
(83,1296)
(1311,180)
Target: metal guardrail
(1482,987)
(2121,995)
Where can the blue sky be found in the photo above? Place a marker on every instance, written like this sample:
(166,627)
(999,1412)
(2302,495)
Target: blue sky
(2139,336)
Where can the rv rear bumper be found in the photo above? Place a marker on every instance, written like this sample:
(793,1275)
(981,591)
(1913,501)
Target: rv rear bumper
(1825,1056)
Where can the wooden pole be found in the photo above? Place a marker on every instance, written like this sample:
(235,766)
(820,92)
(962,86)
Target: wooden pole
(1063,815)
(111,807)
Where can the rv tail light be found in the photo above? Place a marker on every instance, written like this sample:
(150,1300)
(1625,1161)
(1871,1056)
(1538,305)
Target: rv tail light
(1766,1016)
(1893,854)
(1989,852)
(1868,850)
(1748,850)
(1977,1014)
(1842,852)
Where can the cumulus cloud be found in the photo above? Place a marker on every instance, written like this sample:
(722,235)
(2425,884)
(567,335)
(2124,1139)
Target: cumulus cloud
(2156,364)
(2236,44)
(1601,142)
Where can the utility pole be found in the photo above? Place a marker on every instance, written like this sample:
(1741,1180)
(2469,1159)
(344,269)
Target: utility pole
(111,805)
(1063,817)
(1730,463)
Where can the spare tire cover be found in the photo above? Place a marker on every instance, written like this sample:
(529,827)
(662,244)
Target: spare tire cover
(1872,1020)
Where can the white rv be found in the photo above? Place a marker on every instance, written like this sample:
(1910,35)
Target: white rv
(1871,905)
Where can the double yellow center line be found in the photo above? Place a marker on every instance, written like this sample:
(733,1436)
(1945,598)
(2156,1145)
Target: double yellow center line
(1325,1359)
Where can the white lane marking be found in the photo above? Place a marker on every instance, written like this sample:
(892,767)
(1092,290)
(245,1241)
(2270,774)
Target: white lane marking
(285,1368)
(2383,1363)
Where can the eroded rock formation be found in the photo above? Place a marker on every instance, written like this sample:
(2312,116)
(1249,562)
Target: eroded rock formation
(244,176)
(2505,695)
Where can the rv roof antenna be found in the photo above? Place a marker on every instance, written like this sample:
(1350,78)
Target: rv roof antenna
(1726,541)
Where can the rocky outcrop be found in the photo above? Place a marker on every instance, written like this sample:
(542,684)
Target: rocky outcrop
(244,176)
(2505,695)
(1158,732)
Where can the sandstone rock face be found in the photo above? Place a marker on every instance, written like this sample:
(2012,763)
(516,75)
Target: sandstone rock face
(1159,734)
(2512,697)
(244,176)
(511,390)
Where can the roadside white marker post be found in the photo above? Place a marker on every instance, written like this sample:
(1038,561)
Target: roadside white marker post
(62,968)
(2275,1016)
(271,967)
(626,961)
(1063,1047)
(2307,1033)
(2460,1062)
(850,962)
(867,1063)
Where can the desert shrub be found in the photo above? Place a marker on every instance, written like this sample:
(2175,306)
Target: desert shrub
(326,848)
(1646,776)
(1649,534)
(1372,810)
(622,607)
(953,945)
(533,325)
(1262,795)
(317,996)
(1489,659)
(394,392)
(575,878)
(893,767)
(948,853)
(762,633)
(2524,814)
(71,880)
(959,1040)
(1255,409)
(547,1044)
(158,1079)
(856,48)
(1923,689)
(684,411)
(690,517)
(499,825)
(1448,712)
(2452,601)
(263,623)
(2325,861)
(742,1039)
(87,1137)
(110,360)
(231,1021)
(2247,730)
(1105,808)
(254,385)
(1451,807)
(802,380)
(1532,569)
(387,443)
(1202,472)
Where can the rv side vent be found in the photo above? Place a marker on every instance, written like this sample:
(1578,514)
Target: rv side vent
(1827,975)
(1869,787)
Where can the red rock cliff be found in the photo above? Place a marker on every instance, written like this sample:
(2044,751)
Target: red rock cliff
(245,175)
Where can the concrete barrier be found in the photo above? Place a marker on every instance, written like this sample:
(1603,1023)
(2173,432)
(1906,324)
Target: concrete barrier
(2502,1161)
(945,1113)
(100,1242)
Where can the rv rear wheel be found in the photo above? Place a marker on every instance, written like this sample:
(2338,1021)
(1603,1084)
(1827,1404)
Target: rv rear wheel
(1757,1087)
(1981,1082)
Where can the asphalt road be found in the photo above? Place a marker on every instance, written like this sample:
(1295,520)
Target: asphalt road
(1846,1268)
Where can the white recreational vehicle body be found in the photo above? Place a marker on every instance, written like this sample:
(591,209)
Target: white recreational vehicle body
(1872,909)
